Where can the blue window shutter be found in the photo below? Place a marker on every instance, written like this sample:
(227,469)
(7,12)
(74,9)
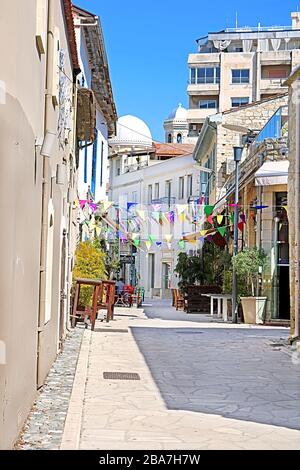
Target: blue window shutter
(101,167)
(94,164)
(85,162)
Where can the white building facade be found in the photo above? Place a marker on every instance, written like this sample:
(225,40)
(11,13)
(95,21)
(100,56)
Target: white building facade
(93,159)
(156,203)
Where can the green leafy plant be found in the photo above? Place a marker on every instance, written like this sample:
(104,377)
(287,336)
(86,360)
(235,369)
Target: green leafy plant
(89,264)
(247,264)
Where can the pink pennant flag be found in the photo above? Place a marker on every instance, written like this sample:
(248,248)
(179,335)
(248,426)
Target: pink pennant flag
(210,219)
(82,203)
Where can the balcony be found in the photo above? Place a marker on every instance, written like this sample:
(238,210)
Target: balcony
(274,85)
(199,115)
(202,89)
(275,58)
(203,59)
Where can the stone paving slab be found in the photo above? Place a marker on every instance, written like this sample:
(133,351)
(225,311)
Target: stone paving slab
(45,424)
(223,389)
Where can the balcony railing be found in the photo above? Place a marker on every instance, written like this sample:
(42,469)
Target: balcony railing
(258,29)
(274,127)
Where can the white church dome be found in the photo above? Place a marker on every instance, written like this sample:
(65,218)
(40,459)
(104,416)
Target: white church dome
(178,114)
(132,132)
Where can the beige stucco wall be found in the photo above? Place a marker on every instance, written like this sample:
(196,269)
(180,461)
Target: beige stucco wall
(22,115)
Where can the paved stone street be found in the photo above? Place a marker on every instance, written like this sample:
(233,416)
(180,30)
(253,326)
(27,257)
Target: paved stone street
(203,385)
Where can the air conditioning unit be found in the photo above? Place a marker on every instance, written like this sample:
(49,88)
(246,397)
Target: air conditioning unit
(230,166)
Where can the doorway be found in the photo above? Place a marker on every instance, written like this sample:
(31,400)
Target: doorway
(166,268)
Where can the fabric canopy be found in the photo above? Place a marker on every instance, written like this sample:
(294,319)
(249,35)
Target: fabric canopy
(272,173)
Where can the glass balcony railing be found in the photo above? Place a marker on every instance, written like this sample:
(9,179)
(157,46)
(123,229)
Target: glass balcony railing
(274,129)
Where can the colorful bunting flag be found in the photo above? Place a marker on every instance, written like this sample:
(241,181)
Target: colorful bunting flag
(106,205)
(168,238)
(241,226)
(232,217)
(141,214)
(208,210)
(182,217)
(82,203)
(285,208)
(220,219)
(203,233)
(181,244)
(148,244)
(152,238)
(222,231)
(156,216)
(181,208)
(159,244)
(136,243)
(243,218)
(210,220)
(171,217)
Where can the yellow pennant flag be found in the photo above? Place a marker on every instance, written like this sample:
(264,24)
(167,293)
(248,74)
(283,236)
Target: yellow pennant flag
(141,214)
(76,203)
(220,219)
(285,208)
(168,238)
(98,231)
(106,205)
(203,233)
(134,236)
(193,241)
(181,208)
(182,217)
(148,245)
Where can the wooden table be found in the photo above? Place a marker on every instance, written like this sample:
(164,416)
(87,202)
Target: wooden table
(222,300)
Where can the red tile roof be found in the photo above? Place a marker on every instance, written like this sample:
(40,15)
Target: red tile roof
(71,34)
(173,150)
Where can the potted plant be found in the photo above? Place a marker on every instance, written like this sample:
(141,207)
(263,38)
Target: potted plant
(249,265)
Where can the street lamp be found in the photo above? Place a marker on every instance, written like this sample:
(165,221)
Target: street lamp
(237,158)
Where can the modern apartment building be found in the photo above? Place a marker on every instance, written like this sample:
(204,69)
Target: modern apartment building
(238,66)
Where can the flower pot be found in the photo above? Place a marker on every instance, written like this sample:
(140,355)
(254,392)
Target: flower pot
(254,309)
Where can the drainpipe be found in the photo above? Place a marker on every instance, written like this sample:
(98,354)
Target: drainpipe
(297,200)
(46,176)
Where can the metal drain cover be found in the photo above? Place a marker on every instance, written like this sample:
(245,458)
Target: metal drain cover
(187,332)
(121,376)
(110,330)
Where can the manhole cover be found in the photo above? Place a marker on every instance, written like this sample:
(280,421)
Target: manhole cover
(121,376)
(190,332)
(110,330)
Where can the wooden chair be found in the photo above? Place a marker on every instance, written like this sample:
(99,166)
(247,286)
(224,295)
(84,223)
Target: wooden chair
(173,297)
(179,300)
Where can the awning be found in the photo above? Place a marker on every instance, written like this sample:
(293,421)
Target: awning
(272,173)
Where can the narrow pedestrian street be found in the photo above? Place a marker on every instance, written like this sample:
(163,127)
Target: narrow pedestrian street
(200,384)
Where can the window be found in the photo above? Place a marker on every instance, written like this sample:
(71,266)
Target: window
(156,191)
(94,164)
(118,167)
(207,104)
(181,188)
(205,75)
(240,76)
(150,194)
(101,164)
(189,185)
(169,191)
(169,138)
(85,162)
(179,138)
(237,102)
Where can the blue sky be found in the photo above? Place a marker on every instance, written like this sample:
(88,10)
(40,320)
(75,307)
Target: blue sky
(148,43)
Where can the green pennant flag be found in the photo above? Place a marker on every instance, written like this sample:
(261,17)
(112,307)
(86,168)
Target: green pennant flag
(208,210)
(181,244)
(152,238)
(136,243)
(156,216)
(222,231)
(232,217)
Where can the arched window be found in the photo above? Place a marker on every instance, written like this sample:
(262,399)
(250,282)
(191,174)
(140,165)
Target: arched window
(169,138)
(179,138)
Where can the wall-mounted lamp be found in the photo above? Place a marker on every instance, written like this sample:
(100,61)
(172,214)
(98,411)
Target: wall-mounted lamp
(48,144)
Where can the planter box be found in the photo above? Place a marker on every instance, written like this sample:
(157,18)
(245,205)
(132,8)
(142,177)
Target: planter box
(254,310)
